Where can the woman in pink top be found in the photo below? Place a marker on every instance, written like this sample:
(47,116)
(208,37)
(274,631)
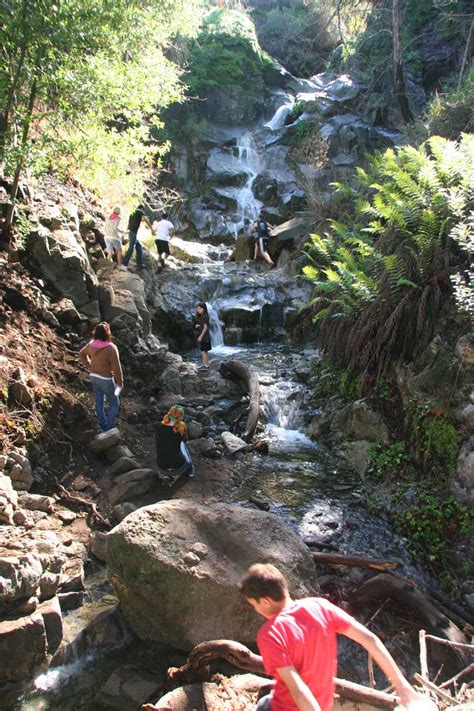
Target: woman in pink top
(101,356)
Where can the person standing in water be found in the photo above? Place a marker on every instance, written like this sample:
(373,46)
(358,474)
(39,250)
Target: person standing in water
(163,230)
(102,358)
(203,335)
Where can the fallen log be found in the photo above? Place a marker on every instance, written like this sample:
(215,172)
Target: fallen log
(354,561)
(262,504)
(238,372)
(70,499)
(243,658)
(397,588)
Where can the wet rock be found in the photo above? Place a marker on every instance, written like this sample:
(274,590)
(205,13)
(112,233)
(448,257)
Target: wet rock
(127,689)
(132,484)
(104,441)
(99,545)
(195,430)
(50,611)
(122,465)
(117,452)
(122,510)
(202,445)
(71,600)
(164,599)
(357,453)
(232,443)
(367,424)
(22,647)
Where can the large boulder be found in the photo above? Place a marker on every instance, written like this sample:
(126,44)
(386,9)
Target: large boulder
(175,566)
(62,258)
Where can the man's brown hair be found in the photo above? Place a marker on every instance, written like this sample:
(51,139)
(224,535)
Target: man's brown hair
(263,581)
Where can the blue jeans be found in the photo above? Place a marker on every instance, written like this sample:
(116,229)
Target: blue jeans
(133,243)
(104,390)
(264,704)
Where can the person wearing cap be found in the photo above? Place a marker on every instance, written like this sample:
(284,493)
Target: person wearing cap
(134,223)
(172,454)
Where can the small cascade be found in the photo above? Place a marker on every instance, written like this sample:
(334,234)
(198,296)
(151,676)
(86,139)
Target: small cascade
(215,327)
(281,405)
(279,117)
(248,206)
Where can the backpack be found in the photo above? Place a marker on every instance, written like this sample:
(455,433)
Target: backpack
(262,229)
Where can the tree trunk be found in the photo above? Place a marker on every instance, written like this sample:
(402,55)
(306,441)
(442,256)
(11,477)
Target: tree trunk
(237,371)
(385,585)
(241,657)
(399,79)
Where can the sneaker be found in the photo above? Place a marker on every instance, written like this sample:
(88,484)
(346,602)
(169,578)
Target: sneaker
(123,268)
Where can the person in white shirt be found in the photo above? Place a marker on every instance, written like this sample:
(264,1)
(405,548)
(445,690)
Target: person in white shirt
(163,230)
(113,235)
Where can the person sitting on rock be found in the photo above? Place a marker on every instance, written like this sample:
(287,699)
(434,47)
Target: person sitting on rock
(298,644)
(172,454)
(102,358)
(262,230)
(113,235)
(163,230)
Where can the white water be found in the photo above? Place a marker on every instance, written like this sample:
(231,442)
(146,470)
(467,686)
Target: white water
(281,405)
(215,327)
(279,117)
(248,205)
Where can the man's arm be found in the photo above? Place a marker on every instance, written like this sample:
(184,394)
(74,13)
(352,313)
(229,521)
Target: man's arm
(300,692)
(384,659)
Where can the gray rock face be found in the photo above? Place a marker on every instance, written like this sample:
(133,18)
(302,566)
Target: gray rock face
(367,424)
(231,105)
(62,258)
(165,595)
(463,485)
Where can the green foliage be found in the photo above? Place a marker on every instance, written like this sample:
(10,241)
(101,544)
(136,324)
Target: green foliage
(451,114)
(433,438)
(78,78)
(388,461)
(225,53)
(433,524)
(300,36)
(382,282)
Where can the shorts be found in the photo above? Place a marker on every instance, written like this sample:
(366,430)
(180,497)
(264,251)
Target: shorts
(112,244)
(205,346)
(262,243)
(163,246)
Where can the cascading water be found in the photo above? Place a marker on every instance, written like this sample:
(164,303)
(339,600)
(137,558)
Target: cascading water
(215,327)
(279,117)
(281,406)
(247,204)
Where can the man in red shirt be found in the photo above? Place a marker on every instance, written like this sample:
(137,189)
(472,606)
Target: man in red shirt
(299,647)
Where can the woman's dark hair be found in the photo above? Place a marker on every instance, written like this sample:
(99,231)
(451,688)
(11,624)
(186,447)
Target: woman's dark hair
(203,305)
(164,215)
(102,332)
(141,207)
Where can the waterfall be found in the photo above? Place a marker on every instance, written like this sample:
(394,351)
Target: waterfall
(282,408)
(279,117)
(248,205)
(215,327)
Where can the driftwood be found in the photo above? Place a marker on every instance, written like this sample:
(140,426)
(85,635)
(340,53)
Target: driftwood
(354,561)
(241,657)
(385,585)
(262,504)
(237,371)
(67,498)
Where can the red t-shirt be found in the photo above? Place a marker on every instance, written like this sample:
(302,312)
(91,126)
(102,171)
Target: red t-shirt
(303,636)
